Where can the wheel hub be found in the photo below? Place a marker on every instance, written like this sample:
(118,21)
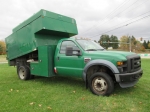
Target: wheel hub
(22,73)
(100,84)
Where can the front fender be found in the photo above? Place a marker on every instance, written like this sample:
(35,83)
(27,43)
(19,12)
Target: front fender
(106,63)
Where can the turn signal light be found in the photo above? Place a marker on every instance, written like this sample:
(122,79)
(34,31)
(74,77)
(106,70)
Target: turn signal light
(119,63)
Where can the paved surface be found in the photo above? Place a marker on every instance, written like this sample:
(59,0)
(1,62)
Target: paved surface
(3,62)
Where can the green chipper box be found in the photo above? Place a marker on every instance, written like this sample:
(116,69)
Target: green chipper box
(40,46)
(33,42)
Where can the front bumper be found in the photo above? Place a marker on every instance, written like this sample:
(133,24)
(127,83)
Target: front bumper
(128,79)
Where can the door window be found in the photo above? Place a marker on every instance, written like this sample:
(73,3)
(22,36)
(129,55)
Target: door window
(66,44)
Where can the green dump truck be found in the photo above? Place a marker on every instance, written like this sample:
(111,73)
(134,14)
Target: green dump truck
(40,46)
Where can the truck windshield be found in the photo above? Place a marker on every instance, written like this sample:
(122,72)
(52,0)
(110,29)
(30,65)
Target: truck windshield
(89,45)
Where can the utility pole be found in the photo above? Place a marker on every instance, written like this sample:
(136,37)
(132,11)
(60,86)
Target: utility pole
(130,44)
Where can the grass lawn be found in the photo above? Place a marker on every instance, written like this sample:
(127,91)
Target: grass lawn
(3,58)
(60,94)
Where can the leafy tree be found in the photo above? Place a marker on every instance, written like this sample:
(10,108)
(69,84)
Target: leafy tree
(123,43)
(114,39)
(133,43)
(143,48)
(2,47)
(144,44)
(104,41)
(148,47)
(133,40)
(139,46)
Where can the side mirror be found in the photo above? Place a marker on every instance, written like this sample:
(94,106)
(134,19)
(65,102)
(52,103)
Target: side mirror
(70,52)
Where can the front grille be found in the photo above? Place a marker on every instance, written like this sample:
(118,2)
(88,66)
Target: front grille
(134,63)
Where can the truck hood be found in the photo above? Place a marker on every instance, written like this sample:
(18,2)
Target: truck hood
(114,55)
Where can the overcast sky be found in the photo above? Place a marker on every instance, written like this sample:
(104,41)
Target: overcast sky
(93,17)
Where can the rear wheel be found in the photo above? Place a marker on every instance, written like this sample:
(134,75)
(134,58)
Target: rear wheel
(101,84)
(23,72)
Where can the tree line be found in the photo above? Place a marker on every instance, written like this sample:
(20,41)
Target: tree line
(107,41)
(124,43)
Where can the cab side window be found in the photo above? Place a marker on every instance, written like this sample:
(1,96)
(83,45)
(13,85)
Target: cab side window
(68,44)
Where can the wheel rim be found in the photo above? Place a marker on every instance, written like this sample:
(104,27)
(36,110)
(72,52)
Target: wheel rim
(22,73)
(99,84)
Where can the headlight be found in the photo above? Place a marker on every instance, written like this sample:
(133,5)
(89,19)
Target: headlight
(122,66)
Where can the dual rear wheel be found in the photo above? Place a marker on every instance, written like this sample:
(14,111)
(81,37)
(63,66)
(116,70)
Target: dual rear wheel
(24,73)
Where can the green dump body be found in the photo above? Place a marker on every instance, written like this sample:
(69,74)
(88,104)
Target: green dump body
(43,28)
(41,32)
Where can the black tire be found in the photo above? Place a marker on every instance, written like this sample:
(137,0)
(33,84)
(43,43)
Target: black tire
(23,72)
(101,84)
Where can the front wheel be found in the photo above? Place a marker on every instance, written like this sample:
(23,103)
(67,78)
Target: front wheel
(23,73)
(101,84)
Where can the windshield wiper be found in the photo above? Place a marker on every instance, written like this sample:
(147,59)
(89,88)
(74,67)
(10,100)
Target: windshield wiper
(91,50)
(100,49)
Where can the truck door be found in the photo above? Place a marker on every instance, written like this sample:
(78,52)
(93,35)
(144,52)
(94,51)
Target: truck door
(69,65)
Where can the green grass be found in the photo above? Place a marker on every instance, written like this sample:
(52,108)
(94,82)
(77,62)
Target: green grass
(3,58)
(60,94)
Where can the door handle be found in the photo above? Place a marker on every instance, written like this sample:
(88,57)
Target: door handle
(58,58)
